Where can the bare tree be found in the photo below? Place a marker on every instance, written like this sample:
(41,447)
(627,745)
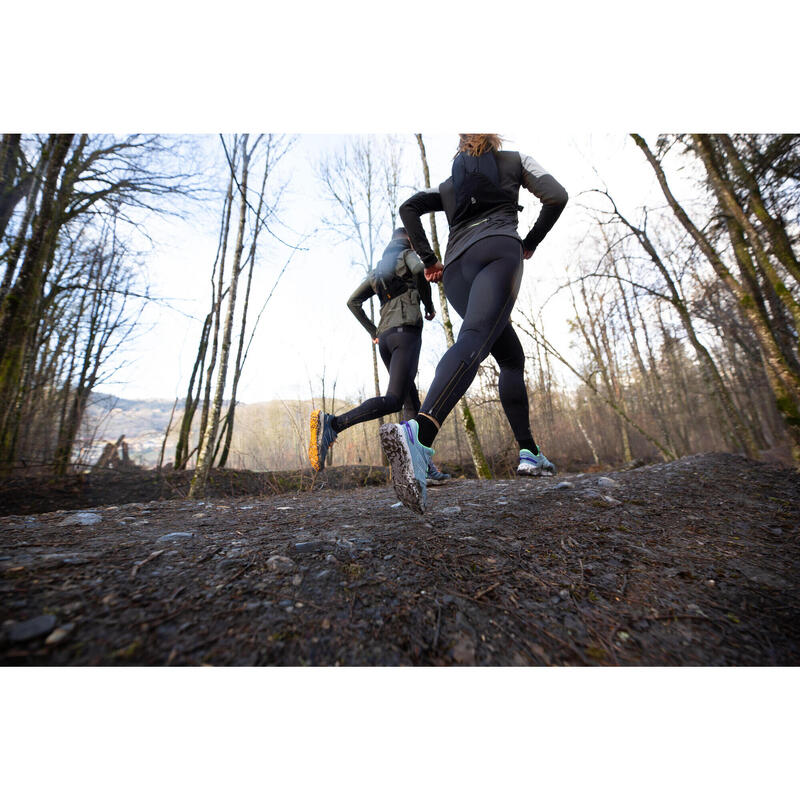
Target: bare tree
(215,432)
(783,373)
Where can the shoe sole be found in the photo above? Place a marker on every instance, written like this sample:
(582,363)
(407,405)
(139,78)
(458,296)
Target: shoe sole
(315,441)
(406,486)
(538,472)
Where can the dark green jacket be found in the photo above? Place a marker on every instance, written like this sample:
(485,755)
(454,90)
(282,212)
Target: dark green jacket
(401,310)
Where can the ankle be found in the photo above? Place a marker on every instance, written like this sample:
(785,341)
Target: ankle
(427,429)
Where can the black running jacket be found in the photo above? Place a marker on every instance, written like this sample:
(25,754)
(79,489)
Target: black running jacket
(515,170)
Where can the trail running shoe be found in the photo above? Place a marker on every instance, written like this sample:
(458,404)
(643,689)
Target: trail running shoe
(410,462)
(322,437)
(434,476)
(533,466)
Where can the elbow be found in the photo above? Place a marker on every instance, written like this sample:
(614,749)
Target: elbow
(406,212)
(551,192)
(560,197)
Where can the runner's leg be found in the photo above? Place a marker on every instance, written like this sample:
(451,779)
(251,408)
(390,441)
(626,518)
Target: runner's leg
(482,286)
(399,350)
(510,357)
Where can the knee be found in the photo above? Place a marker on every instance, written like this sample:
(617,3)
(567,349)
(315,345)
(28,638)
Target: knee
(392,403)
(512,363)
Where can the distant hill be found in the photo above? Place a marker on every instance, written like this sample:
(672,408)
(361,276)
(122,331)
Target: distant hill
(142,422)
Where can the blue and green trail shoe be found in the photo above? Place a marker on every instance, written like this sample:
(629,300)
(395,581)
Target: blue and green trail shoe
(410,461)
(532,466)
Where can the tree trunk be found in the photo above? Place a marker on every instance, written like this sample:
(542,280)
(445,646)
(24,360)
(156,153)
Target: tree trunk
(206,452)
(17,306)
(784,382)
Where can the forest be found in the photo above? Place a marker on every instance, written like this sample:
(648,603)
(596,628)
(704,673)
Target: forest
(683,312)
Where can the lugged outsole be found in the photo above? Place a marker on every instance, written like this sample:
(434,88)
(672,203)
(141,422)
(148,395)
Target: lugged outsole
(314,440)
(540,472)
(406,485)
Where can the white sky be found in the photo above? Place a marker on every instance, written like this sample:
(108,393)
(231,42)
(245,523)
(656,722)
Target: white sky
(307,324)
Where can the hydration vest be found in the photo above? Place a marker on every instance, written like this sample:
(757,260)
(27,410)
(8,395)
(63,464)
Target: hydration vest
(476,184)
(386,281)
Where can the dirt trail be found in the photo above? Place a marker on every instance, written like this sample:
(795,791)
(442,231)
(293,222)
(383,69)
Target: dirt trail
(690,563)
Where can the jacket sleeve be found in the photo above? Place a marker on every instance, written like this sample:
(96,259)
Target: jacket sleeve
(553,195)
(411,211)
(424,289)
(416,268)
(364,292)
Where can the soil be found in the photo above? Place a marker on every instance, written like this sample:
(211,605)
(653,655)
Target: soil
(695,562)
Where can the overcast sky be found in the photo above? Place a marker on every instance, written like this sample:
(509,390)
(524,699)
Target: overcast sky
(307,324)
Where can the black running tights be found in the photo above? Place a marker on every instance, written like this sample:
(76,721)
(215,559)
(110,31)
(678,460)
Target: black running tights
(482,285)
(399,349)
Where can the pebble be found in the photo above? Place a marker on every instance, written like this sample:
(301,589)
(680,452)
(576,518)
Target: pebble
(280,564)
(564,594)
(565,485)
(31,628)
(396,505)
(81,518)
(308,547)
(612,501)
(608,483)
(256,604)
(172,537)
(59,634)
(464,651)
(451,510)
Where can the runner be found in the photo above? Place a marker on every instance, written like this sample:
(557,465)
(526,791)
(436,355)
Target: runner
(400,285)
(484,262)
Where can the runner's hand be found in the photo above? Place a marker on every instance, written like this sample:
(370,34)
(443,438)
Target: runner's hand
(375,340)
(429,315)
(434,274)
(526,254)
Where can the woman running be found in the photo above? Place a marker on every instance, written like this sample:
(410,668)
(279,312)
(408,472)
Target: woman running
(481,280)
(400,285)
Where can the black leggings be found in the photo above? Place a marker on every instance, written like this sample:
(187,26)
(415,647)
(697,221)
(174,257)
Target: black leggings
(482,285)
(399,349)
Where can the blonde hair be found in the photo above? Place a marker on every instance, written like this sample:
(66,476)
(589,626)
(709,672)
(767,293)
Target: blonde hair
(476,144)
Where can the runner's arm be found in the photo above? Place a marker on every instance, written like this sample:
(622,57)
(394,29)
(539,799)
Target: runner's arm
(410,212)
(553,195)
(364,292)
(424,288)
